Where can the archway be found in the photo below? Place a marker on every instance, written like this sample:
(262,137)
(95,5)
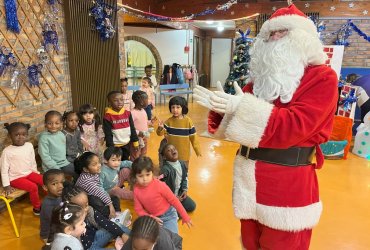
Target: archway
(153,49)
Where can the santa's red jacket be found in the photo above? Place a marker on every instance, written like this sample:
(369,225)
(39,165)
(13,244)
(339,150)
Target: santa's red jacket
(284,198)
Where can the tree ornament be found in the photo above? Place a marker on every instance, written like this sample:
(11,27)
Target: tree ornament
(239,67)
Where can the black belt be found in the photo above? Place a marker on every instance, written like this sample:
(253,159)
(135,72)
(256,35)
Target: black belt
(292,157)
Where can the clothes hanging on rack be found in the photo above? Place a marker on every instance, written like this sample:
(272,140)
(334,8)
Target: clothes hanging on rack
(179,73)
(169,75)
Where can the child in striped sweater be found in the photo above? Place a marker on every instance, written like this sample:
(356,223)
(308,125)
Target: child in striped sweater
(179,130)
(89,167)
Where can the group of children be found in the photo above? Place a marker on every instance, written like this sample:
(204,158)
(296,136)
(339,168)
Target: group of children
(97,157)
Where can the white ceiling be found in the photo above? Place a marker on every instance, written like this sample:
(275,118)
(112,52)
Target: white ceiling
(227,24)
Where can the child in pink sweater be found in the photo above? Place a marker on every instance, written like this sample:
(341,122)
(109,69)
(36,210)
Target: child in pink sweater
(18,165)
(140,118)
(154,198)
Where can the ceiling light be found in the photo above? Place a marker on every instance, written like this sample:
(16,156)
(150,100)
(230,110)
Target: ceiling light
(220,28)
(209,22)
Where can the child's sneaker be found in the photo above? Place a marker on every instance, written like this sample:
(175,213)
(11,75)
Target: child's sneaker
(36,211)
(123,218)
(127,217)
(146,134)
(141,143)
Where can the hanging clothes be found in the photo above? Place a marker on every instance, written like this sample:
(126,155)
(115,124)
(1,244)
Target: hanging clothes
(169,75)
(195,75)
(180,76)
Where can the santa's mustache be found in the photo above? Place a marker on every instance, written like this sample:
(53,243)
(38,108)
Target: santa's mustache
(278,66)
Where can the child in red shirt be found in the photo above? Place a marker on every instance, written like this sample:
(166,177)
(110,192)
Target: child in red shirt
(154,198)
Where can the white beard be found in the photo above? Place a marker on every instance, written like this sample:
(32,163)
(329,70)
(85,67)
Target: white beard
(278,66)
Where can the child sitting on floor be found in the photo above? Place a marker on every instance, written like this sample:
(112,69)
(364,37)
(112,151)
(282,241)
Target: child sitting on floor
(53,184)
(153,197)
(67,225)
(89,167)
(99,230)
(175,174)
(147,234)
(109,176)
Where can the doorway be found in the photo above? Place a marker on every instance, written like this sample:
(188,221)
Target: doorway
(220,59)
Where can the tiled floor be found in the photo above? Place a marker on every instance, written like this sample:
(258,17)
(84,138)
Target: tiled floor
(344,184)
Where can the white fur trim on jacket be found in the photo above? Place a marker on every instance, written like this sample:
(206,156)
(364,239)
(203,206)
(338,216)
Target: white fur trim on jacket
(281,218)
(290,218)
(249,121)
(288,22)
(244,188)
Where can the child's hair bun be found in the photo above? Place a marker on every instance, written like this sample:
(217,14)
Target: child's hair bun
(6,125)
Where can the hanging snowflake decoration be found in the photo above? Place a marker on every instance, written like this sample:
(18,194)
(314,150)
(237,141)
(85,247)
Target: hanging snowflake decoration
(102,14)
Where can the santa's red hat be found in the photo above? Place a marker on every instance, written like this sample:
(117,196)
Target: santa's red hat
(288,18)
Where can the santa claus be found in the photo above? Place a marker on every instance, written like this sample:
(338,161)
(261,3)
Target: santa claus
(279,119)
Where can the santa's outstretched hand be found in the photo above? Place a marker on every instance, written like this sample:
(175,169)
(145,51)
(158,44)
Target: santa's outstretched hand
(219,101)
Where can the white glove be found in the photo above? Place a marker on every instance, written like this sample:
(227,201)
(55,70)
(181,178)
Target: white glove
(226,103)
(203,95)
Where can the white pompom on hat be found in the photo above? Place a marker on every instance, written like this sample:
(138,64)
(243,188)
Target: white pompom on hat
(288,18)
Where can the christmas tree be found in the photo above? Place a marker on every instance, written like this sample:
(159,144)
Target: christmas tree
(239,67)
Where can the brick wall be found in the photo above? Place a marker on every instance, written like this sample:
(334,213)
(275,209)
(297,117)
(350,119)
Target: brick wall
(357,55)
(28,108)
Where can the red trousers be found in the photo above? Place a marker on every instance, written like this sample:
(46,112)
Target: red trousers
(29,183)
(257,236)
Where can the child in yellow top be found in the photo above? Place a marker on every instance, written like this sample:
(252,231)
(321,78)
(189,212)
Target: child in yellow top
(179,129)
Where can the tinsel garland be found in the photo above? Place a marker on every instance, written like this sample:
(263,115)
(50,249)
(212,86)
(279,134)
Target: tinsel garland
(11,16)
(155,17)
(359,32)
(344,32)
